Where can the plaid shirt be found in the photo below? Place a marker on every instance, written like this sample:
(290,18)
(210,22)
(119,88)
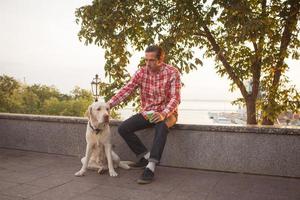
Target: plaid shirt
(160,91)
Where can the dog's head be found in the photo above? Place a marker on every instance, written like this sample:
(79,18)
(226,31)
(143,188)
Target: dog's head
(98,113)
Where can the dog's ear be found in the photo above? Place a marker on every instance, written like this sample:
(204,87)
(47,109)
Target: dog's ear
(88,112)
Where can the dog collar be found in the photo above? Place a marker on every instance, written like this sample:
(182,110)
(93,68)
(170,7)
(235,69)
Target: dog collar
(97,130)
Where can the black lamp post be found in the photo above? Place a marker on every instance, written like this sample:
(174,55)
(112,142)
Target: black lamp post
(95,87)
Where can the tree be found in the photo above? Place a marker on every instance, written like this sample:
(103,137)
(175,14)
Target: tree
(249,39)
(78,93)
(53,106)
(31,102)
(44,92)
(7,87)
(16,97)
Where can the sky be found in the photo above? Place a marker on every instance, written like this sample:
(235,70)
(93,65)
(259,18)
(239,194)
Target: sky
(39,44)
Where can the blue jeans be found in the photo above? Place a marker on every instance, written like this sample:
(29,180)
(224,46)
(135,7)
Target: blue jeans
(138,122)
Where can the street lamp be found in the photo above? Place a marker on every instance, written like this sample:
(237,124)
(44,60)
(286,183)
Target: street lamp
(95,84)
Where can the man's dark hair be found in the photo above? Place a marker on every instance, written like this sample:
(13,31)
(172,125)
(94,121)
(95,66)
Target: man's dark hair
(157,49)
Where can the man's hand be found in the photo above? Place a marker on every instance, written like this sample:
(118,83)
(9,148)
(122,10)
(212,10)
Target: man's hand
(157,117)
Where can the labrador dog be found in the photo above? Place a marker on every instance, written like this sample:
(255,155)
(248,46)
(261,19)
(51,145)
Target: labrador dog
(99,154)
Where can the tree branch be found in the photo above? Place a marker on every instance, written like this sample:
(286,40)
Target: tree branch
(290,25)
(224,61)
(256,65)
(256,70)
(200,34)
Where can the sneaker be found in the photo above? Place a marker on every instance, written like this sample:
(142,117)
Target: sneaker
(143,162)
(146,177)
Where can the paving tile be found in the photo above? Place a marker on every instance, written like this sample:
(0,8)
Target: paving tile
(52,180)
(22,191)
(40,172)
(125,193)
(23,176)
(18,177)
(226,196)
(86,196)
(65,191)
(184,195)
(34,161)
(4,172)
(276,186)
(200,182)
(4,185)
(6,197)
(268,197)
(16,166)
(233,184)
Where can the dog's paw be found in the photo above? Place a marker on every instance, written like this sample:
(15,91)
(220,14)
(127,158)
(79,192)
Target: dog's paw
(113,173)
(80,173)
(101,170)
(126,167)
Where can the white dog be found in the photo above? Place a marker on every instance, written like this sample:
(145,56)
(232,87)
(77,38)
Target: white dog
(99,154)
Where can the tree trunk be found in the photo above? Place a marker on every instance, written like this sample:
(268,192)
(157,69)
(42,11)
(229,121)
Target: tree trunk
(251,110)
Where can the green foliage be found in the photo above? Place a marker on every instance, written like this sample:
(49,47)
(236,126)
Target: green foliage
(286,98)
(7,87)
(73,107)
(249,39)
(16,97)
(121,27)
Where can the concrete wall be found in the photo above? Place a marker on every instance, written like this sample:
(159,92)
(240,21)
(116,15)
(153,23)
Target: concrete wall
(248,149)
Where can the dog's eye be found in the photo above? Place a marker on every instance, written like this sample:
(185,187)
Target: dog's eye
(98,109)
(107,109)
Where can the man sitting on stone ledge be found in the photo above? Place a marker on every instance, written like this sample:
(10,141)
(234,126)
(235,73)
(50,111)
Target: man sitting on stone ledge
(159,85)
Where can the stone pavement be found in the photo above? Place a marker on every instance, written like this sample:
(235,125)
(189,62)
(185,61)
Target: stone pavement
(39,176)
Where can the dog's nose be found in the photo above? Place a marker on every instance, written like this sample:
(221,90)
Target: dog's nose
(106,118)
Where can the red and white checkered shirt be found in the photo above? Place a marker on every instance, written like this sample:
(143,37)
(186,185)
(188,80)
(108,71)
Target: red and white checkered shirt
(160,91)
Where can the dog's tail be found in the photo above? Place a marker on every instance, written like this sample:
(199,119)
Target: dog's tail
(125,164)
